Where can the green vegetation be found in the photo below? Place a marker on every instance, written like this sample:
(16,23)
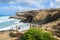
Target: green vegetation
(37,34)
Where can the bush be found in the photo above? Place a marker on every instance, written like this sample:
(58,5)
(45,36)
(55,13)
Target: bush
(37,34)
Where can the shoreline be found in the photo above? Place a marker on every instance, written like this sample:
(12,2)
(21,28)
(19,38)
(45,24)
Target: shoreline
(8,27)
(13,27)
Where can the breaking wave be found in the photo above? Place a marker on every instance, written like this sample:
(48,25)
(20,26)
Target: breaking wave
(6,24)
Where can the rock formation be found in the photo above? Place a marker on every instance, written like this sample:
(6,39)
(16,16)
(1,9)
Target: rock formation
(39,16)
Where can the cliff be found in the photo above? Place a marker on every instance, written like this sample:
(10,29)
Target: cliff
(40,16)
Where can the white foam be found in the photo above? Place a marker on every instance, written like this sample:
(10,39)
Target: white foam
(23,26)
(5,18)
(14,27)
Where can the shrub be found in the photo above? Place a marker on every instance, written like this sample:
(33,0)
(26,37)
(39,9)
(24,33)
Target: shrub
(37,34)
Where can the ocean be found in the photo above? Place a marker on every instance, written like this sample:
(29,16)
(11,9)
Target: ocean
(7,24)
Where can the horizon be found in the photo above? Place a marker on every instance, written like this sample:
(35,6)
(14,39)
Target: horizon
(10,7)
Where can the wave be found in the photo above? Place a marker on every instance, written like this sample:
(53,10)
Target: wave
(5,18)
(22,27)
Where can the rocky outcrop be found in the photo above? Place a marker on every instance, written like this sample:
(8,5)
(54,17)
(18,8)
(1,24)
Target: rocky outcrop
(40,16)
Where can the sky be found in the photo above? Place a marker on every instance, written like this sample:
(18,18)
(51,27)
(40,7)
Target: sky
(10,7)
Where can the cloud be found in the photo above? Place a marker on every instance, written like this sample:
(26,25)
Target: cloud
(52,4)
(24,5)
(38,4)
(57,3)
(21,1)
(16,8)
(5,1)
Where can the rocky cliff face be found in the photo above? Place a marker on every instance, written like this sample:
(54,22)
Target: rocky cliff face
(40,16)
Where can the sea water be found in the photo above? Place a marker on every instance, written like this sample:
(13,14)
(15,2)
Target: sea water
(7,24)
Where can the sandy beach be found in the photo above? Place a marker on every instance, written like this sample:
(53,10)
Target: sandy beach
(4,35)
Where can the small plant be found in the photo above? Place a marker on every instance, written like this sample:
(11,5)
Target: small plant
(37,34)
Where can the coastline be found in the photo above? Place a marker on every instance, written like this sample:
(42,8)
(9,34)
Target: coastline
(6,19)
(13,27)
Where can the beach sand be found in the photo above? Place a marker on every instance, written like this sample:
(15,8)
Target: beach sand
(4,35)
